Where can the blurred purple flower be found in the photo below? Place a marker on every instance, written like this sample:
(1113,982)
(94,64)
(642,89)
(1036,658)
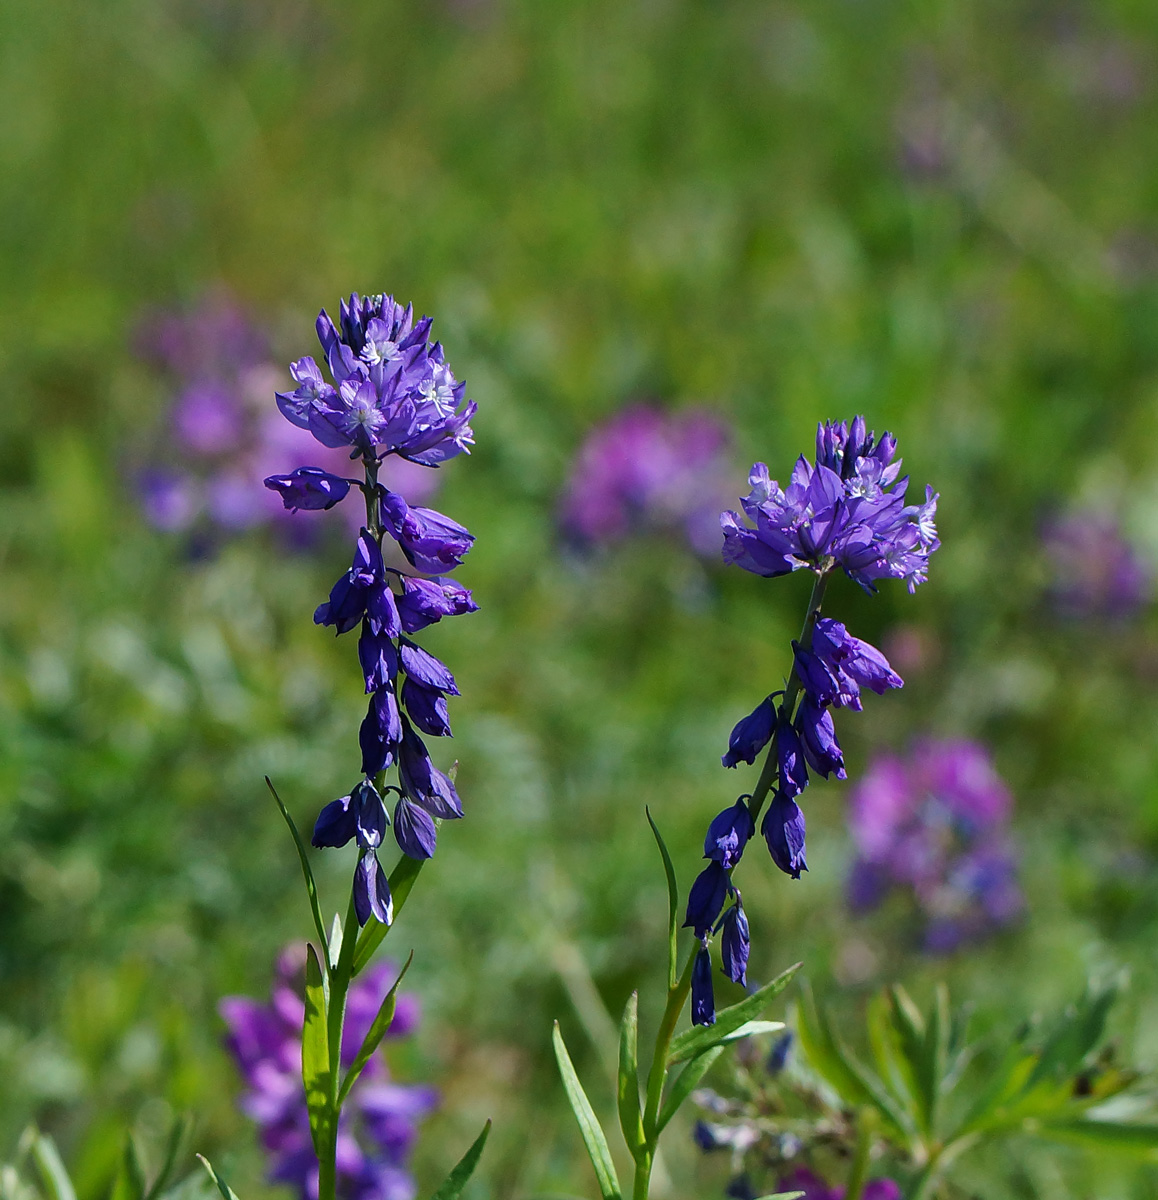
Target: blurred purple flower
(646,469)
(1095,571)
(936,825)
(380,1117)
(218,441)
(814,1188)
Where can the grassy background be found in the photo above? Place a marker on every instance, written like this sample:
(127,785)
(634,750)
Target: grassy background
(939,214)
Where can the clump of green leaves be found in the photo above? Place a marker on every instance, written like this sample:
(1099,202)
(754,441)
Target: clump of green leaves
(927,1093)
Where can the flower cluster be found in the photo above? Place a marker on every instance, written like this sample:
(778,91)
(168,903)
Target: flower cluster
(393,395)
(646,469)
(220,438)
(1095,571)
(845,511)
(379,1120)
(936,825)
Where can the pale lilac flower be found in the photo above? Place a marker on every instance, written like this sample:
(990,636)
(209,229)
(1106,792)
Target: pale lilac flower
(1095,570)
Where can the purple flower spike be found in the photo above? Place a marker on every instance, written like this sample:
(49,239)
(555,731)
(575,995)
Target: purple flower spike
(752,734)
(414,830)
(703,1002)
(706,899)
(818,739)
(734,944)
(783,830)
(790,757)
(728,834)
(310,488)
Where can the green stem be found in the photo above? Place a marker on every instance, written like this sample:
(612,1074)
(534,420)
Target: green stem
(792,691)
(927,1179)
(866,1125)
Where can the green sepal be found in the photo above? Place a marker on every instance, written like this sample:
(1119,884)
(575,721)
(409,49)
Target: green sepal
(464,1168)
(227,1193)
(673,906)
(685,1084)
(311,887)
(593,1136)
(627,1082)
(316,1054)
(696,1040)
(401,881)
(375,1035)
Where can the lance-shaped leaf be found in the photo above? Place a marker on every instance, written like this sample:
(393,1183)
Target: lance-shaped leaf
(1119,1136)
(377,1032)
(51,1167)
(130,1181)
(855,1084)
(693,1042)
(673,905)
(172,1149)
(401,881)
(627,1081)
(1075,1036)
(685,1084)
(893,1066)
(589,1127)
(316,1054)
(932,1060)
(311,887)
(464,1168)
(227,1193)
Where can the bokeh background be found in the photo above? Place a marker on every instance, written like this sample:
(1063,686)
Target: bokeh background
(943,215)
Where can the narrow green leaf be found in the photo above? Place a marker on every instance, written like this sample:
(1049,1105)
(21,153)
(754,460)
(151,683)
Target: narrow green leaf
(172,1150)
(627,1083)
(130,1181)
(1110,1135)
(51,1167)
(589,1127)
(1076,1035)
(673,906)
(892,1066)
(227,1193)
(685,1084)
(316,1054)
(699,1038)
(914,1041)
(856,1085)
(1004,1080)
(934,1059)
(311,887)
(375,1035)
(464,1169)
(374,932)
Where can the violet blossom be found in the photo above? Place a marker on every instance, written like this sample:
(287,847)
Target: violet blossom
(936,825)
(647,469)
(1095,571)
(380,1118)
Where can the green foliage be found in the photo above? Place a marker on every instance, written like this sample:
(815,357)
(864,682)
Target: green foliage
(464,1168)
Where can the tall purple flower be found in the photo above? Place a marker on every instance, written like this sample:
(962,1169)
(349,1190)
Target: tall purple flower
(392,396)
(380,1118)
(844,511)
(936,825)
(646,469)
(1095,571)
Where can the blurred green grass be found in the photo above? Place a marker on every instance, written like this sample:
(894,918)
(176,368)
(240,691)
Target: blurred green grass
(942,215)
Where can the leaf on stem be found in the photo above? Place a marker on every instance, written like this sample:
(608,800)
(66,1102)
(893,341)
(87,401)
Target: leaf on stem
(593,1136)
(695,1041)
(172,1149)
(401,881)
(311,887)
(686,1083)
(627,1083)
(227,1193)
(316,1054)
(51,1167)
(377,1032)
(673,905)
(464,1168)
(1121,1136)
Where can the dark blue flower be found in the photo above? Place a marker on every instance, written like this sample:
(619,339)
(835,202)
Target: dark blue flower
(380,733)
(783,830)
(728,834)
(818,738)
(424,668)
(361,814)
(348,596)
(426,601)
(706,898)
(704,1137)
(423,782)
(310,488)
(793,772)
(734,944)
(778,1055)
(752,734)
(426,707)
(703,1002)
(432,542)
(414,830)
(372,891)
(839,665)
(379,659)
